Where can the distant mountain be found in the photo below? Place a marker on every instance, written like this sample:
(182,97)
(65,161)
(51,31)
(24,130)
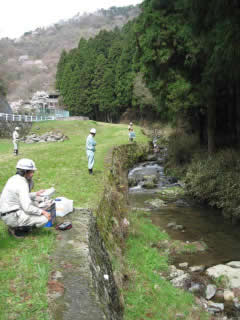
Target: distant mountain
(28,64)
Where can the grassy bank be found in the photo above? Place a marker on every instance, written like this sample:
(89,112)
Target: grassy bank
(25,264)
(146,293)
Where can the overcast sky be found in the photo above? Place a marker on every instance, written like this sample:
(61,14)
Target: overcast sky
(19,16)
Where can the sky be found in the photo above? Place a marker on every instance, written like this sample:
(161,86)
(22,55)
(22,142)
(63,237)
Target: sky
(19,16)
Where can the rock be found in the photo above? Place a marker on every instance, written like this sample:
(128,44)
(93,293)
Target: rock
(149,182)
(178,227)
(197,268)
(181,281)
(183,265)
(174,272)
(171,224)
(215,307)
(210,291)
(49,137)
(152,157)
(236,303)
(156,203)
(234,264)
(232,274)
(228,295)
(219,296)
(195,287)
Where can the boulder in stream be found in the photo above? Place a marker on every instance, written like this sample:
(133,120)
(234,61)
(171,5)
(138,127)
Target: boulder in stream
(230,273)
(210,291)
(156,203)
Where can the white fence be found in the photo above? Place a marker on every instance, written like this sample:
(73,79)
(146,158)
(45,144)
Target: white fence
(24,118)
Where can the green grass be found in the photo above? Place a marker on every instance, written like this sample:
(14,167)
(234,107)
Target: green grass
(24,263)
(147,295)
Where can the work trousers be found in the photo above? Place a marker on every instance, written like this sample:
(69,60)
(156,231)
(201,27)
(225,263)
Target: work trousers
(21,219)
(90,157)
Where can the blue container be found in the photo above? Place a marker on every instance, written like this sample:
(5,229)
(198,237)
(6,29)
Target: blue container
(52,211)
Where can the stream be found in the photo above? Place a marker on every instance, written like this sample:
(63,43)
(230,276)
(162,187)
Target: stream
(218,241)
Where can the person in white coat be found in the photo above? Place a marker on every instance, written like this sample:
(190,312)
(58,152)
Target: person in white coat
(90,149)
(15,139)
(17,210)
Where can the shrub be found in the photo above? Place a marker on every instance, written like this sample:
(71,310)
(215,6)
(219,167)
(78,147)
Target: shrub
(215,180)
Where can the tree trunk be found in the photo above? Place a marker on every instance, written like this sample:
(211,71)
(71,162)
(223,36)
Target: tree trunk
(238,111)
(211,128)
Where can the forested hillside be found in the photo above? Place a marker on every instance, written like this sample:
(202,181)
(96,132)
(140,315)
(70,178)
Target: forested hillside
(29,63)
(179,57)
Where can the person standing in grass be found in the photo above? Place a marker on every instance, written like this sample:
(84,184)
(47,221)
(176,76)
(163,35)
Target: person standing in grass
(130,126)
(131,135)
(17,210)
(90,149)
(15,138)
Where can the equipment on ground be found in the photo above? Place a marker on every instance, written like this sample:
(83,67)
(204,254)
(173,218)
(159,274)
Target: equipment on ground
(64,226)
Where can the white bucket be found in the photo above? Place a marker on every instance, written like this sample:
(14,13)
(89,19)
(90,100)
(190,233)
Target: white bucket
(63,206)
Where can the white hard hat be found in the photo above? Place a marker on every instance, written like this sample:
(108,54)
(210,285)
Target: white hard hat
(17,128)
(93,130)
(26,164)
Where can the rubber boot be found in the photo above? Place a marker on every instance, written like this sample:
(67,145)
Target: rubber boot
(90,171)
(16,152)
(15,233)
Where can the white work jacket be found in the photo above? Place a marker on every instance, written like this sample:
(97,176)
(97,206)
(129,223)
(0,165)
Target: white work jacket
(16,196)
(90,143)
(15,136)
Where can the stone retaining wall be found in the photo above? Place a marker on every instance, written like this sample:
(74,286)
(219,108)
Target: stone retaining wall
(108,231)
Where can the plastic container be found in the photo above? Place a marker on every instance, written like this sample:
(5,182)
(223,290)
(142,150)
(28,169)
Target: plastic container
(63,206)
(52,211)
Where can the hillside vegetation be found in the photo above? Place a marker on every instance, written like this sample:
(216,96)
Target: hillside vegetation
(185,52)
(23,77)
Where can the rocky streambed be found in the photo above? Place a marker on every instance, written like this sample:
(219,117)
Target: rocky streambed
(205,248)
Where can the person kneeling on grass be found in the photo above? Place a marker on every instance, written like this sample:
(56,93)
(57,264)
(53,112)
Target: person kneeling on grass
(16,207)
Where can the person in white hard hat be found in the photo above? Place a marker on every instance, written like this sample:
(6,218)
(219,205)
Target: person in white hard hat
(130,126)
(15,137)
(16,207)
(90,149)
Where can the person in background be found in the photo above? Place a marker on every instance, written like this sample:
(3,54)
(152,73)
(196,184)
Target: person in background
(15,138)
(17,210)
(90,149)
(131,135)
(130,126)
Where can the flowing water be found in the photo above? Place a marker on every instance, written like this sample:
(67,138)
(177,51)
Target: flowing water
(220,239)
(199,223)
